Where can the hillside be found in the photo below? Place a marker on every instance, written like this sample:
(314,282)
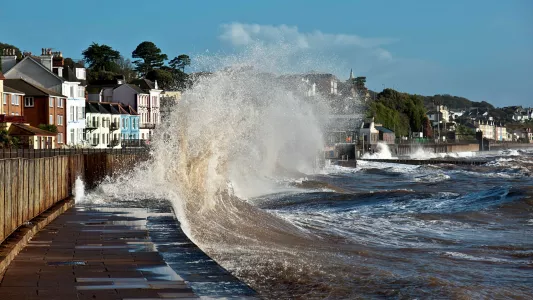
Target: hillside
(454,102)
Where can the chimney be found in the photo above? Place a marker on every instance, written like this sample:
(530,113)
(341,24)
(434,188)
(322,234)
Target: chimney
(155,83)
(47,58)
(8,58)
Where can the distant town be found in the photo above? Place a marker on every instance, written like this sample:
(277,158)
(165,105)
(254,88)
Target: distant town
(107,101)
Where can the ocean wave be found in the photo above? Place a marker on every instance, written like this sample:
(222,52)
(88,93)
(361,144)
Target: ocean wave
(464,256)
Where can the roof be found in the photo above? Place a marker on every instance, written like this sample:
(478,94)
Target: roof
(37,61)
(136,88)
(131,111)
(111,108)
(23,129)
(70,75)
(30,89)
(95,108)
(121,109)
(383,129)
(11,90)
(144,84)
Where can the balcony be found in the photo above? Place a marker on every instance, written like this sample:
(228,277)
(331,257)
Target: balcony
(91,125)
(12,119)
(147,126)
(133,143)
(113,143)
(114,126)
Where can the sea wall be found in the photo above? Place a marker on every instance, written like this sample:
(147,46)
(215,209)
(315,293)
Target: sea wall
(30,186)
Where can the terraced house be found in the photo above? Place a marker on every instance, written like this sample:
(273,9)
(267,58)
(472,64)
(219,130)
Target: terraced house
(48,71)
(142,95)
(98,125)
(42,106)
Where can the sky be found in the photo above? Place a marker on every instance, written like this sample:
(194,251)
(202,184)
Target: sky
(478,49)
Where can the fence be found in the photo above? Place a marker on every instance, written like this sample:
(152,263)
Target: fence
(32,182)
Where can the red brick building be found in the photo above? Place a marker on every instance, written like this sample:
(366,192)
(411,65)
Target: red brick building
(41,106)
(12,102)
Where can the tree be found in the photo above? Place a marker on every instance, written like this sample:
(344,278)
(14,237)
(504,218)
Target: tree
(428,131)
(165,79)
(7,141)
(69,62)
(48,127)
(149,57)
(126,68)
(180,62)
(101,57)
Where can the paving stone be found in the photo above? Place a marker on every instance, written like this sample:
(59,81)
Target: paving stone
(83,255)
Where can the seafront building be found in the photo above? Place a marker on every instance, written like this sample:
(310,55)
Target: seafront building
(143,96)
(49,72)
(98,125)
(40,106)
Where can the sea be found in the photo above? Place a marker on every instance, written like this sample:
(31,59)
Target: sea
(236,160)
(379,231)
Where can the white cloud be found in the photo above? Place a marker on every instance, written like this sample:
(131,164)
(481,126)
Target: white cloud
(239,34)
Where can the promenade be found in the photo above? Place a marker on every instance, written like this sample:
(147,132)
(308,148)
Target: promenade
(112,253)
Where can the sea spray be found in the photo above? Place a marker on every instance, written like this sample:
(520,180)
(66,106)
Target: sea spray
(382,152)
(79,190)
(235,135)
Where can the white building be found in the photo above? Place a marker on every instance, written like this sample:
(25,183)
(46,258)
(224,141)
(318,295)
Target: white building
(98,125)
(143,95)
(48,71)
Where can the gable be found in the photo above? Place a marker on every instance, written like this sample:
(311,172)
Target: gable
(35,73)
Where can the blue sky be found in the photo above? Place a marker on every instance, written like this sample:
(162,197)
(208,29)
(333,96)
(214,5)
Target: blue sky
(479,49)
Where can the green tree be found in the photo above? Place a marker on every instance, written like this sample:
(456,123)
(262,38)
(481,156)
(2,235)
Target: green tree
(149,57)
(101,58)
(7,141)
(165,78)
(180,62)
(465,133)
(48,127)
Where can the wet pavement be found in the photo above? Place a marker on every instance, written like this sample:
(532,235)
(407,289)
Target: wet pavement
(116,253)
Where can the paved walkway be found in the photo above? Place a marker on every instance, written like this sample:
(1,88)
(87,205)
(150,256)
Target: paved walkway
(92,254)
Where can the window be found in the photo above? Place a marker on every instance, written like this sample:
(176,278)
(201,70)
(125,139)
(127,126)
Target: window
(51,102)
(51,120)
(13,97)
(5,98)
(60,138)
(72,136)
(59,120)
(81,92)
(71,117)
(16,99)
(59,102)
(28,102)
(72,91)
(77,113)
(81,113)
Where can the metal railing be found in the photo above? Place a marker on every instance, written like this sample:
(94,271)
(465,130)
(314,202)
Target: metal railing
(114,126)
(147,126)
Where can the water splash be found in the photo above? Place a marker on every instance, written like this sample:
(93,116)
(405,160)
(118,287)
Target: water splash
(383,152)
(79,190)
